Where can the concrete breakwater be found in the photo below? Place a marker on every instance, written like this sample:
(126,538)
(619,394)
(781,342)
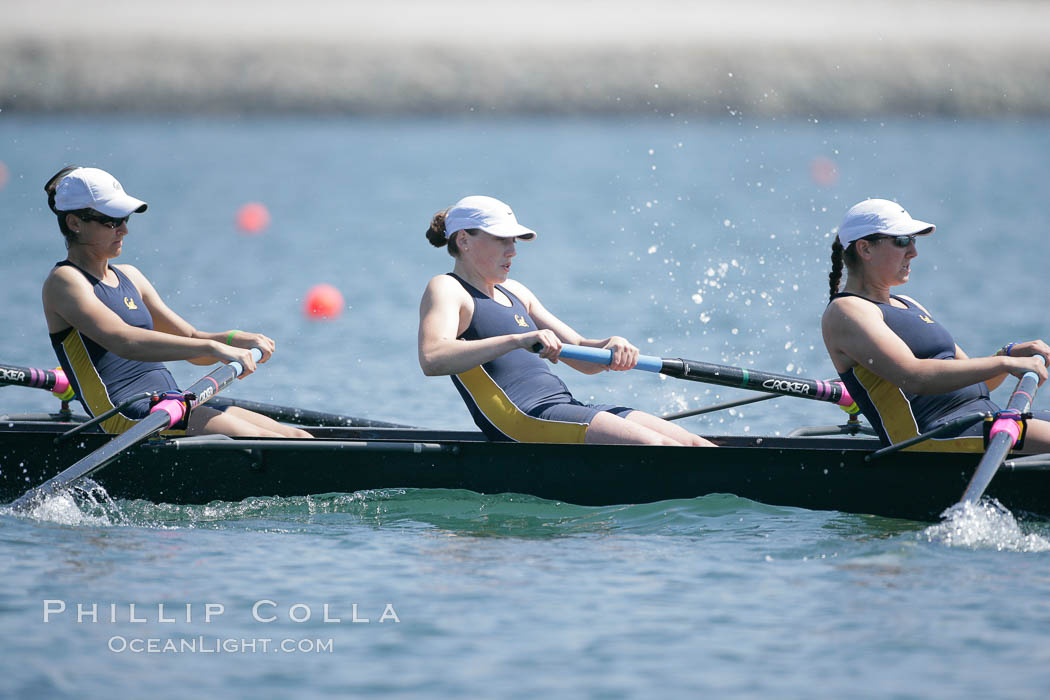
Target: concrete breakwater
(406,58)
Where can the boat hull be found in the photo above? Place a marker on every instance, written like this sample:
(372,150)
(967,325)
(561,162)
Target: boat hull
(813,473)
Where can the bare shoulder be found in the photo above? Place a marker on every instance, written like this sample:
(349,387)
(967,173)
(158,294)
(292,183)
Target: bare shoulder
(65,290)
(443,284)
(849,309)
(911,300)
(521,291)
(64,278)
(132,273)
(127,269)
(445,289)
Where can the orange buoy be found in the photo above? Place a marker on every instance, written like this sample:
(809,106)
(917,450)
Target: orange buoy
(824,171)
(252,218)
(323,302)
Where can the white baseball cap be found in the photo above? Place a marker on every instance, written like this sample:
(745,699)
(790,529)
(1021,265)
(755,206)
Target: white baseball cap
(880,216)
(488,214)
(91,188)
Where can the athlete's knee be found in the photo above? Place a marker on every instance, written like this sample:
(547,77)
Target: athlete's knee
(651,437)
(252,430)
(697,441)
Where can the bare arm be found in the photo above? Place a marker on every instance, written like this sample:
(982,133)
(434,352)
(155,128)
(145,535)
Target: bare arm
(624,354)
(855,334)
(992,382)
(444,314)
(1030,348)
(70,301)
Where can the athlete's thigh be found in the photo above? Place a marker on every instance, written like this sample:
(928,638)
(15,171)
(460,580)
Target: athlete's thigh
(1037,439)
(205,420)
(675,432)
(605,428)
(265,422)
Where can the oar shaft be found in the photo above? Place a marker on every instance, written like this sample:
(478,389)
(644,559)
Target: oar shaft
(723,375)
(163,415)
(756,380)
(718,407)
(150,425)
(302,416)
(1003,436)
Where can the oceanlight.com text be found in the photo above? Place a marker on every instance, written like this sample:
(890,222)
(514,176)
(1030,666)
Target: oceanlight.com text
(218,645)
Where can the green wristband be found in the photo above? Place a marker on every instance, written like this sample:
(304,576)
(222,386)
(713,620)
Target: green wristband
(229,337)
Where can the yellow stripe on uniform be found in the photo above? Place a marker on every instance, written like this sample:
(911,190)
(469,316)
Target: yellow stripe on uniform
(512,421)
(899,422)
(93,390)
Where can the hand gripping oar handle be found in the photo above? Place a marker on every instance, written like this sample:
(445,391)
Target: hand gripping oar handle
(202,390)
(163,415)
(53,380)
(724,375)
(1003,436)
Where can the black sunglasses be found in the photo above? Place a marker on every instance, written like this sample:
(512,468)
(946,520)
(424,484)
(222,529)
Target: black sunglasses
(107,221)
(899,241)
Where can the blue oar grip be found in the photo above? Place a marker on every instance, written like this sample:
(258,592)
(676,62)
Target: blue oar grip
(603,356)
(239,370)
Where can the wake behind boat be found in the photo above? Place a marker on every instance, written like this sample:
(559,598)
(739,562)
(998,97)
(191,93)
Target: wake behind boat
(821,473)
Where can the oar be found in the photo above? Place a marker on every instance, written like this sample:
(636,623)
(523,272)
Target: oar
(303,416)
(1002,437)
(163,415)
(725,375)
(718,407)
(53,380)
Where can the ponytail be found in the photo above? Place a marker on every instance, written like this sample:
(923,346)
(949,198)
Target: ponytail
(842,257)
(836,267)
(436,233)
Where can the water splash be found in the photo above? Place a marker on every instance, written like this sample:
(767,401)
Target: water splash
(986,524)
(85,504)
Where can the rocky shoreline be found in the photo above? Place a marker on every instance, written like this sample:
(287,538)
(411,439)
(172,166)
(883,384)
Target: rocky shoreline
(802,71)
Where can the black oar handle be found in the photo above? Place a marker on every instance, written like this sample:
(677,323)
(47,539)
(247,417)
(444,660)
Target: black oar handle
(755,380)
(163,415)
(725,375)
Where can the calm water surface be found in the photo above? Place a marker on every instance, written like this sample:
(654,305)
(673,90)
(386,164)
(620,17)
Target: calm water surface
(705,240)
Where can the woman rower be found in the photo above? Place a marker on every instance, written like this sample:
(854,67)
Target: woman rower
(478,326)
(110,328)
(900,365)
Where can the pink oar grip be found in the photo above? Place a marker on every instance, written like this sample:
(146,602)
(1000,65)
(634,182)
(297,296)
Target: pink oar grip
(1006,425)
(845,400)
(61,382)
(175,410)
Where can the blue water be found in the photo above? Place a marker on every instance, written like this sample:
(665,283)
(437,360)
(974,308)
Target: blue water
(706,240)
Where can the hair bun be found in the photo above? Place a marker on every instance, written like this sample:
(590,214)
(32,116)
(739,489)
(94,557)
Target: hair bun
(436,233)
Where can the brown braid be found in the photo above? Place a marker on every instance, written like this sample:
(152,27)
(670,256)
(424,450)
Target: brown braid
(835,276)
